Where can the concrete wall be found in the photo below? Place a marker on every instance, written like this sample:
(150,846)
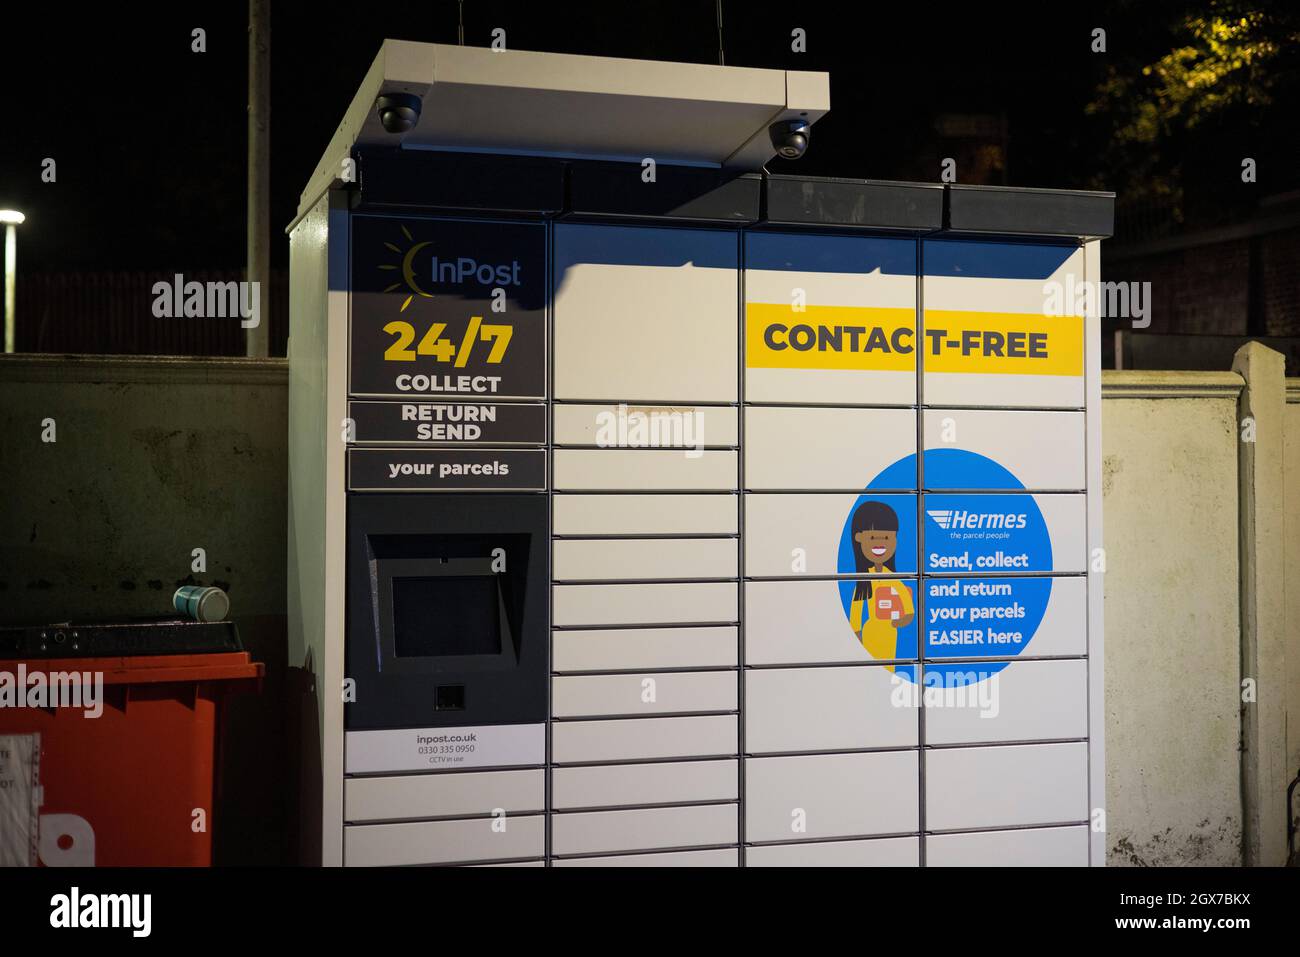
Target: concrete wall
(156,457)
(1169,480)
(152,459)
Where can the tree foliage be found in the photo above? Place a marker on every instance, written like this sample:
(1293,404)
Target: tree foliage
(1229,71)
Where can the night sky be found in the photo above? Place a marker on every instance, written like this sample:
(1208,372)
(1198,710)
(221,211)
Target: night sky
(150,138)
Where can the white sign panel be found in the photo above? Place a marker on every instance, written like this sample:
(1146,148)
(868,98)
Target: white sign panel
(445,749)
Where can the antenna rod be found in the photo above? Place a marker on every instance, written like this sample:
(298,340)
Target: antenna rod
(722,59)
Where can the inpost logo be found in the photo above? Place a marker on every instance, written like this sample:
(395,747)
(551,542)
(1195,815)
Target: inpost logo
(960,518)
(457,271)
(406,266)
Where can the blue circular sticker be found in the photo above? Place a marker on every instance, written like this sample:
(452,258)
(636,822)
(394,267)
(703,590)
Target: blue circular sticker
(961,615)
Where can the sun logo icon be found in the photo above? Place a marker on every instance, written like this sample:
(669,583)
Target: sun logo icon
(407,269)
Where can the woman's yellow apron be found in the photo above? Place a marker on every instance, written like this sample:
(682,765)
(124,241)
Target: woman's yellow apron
(874,629)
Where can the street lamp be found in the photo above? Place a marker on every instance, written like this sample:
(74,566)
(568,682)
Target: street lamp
(11,219)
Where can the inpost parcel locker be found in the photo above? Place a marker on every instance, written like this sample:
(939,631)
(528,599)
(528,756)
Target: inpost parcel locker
(649,509)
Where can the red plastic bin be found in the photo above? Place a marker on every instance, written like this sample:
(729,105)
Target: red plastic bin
(138,774)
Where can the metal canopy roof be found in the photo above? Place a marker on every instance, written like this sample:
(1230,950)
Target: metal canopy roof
(561,105)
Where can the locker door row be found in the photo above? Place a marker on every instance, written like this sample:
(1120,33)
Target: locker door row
(646,549)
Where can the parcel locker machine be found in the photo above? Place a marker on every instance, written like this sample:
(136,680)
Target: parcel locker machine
(650,509)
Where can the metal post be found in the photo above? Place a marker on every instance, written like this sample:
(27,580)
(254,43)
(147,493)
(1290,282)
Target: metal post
(11,276)
(257,340)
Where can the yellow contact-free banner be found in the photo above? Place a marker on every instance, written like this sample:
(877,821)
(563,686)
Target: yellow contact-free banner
(1002,343)
(777,336)
(883,339)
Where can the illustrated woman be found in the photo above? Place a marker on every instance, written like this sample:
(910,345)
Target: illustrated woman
(880,606)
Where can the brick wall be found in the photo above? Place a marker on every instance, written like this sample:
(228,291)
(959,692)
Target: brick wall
(1216,289)
(111,313)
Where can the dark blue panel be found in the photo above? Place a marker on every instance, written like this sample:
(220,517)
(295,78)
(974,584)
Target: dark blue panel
(993,260)
(642,246)
(803,252)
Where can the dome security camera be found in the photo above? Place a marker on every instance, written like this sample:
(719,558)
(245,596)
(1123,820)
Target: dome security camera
(790,137)
(398,112)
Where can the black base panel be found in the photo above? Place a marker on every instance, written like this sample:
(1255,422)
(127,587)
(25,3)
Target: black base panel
(115,640)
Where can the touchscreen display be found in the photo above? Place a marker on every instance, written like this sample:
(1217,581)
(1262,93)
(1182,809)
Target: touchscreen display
(441,615)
